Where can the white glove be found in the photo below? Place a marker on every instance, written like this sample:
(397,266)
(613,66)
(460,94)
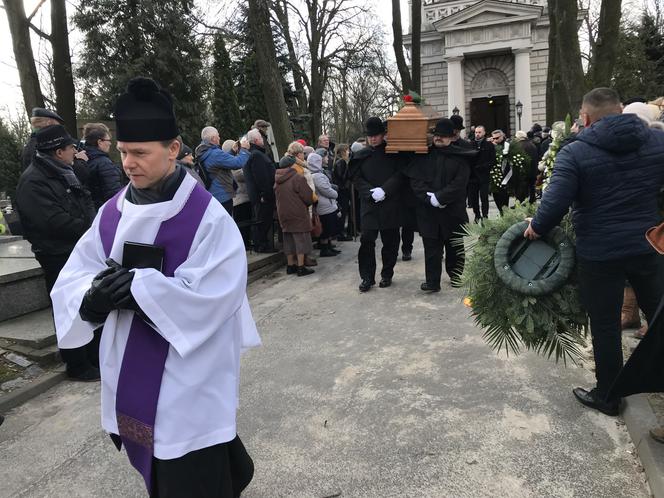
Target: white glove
(433,200)
(378,194)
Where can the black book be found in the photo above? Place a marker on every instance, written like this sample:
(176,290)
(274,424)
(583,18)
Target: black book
(136,255)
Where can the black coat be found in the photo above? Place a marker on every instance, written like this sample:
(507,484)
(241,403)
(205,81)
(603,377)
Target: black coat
(445,172)
(371,168)
(259,176)
(484,161)
(104,179)
(54,212)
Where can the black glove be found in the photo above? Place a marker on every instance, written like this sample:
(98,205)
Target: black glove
(98,300)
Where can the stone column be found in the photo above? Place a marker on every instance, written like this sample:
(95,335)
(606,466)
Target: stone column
(455,86)
(522,88)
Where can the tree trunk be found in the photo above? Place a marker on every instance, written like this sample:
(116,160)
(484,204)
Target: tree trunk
(25,61)
(281,12)
(566,81)
(406,80)
(606,45)
(65,93)
(259,23)
(416,16)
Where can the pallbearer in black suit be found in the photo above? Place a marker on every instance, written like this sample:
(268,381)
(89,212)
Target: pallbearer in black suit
(378,179)
(439,181)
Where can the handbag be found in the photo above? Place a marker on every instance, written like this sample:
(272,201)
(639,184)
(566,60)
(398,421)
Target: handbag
(316,225)
(656,237)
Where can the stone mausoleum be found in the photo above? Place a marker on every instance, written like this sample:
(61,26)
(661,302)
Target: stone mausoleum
(482,57)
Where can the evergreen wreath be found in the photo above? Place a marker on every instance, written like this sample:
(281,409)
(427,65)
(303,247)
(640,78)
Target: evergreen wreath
(519,162)
(551,325)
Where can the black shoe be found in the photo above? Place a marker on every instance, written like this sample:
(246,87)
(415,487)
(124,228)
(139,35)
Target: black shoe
(592,400)
(326,252)
(430,287)
(303,271)
(291,269)
(90,375)
(406,256)
(384,282)
(366,285)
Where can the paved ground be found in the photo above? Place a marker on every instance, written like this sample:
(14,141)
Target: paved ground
(391,393)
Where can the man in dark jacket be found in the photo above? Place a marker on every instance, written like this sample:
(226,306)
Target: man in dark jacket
(55,210)
(478,185)
(610,176)
(378,178)
(439,181)
(41,118)
(263,126)
(104,178)
(259,177)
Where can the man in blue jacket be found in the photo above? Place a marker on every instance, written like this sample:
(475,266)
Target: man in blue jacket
(220,165)
(610,176)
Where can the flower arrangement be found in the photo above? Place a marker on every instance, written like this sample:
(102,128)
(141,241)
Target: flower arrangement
(413,97)
(554,325)
(519,163)
(559,133)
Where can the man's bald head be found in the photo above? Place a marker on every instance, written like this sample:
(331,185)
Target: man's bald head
(599,103)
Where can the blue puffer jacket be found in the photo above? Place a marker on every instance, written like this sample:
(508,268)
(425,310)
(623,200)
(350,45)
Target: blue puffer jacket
(611,176)
(105,178)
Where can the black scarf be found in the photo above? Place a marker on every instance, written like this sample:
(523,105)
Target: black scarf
(163,191)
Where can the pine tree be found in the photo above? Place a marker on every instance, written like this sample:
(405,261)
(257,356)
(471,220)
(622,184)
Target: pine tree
(155,38)
(224,102)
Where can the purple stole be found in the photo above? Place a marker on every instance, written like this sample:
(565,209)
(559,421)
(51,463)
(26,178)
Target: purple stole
(145,355)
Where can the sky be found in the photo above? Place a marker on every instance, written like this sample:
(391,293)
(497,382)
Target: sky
(11,101)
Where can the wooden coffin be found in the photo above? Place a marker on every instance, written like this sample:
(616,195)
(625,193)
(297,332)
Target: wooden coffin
(409,130)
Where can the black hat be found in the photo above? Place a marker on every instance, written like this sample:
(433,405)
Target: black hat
(537,128)
(374,126)
(53,137)
(145,113)
(457,121)
(444,128)
(185,150)
(40,112)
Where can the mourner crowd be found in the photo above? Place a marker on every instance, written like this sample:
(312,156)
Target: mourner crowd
(159,245)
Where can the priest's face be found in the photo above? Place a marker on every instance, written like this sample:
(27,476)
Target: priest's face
(146,163)
(375,140)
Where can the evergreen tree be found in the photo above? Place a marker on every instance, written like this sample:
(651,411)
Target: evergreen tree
(154,38)
(10,161)
(224,102)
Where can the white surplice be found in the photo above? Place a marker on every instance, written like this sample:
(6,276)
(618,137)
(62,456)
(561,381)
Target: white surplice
(202,312)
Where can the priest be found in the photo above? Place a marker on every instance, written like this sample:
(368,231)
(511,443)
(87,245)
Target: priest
(163,270)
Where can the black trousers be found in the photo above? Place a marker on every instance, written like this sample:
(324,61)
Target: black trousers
(366,256)
(262,235)
(478,192)
(220,471)
(502,200)
(601,285)
(343,201)
(407,239)
(455,258)
(77,360)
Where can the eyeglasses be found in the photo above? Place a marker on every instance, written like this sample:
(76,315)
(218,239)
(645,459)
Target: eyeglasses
(105,140)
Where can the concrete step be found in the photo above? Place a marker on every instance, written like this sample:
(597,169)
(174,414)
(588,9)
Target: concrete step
(34,330)
(47,355)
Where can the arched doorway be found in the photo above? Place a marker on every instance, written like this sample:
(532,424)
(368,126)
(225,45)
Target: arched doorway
(490,106)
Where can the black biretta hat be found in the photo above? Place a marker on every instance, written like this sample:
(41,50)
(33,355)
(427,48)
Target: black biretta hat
(444,128)
(52,138)
(144,113)
(40,112)
(374,126)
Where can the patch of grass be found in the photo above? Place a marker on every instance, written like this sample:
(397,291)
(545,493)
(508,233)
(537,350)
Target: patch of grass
(8,370)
